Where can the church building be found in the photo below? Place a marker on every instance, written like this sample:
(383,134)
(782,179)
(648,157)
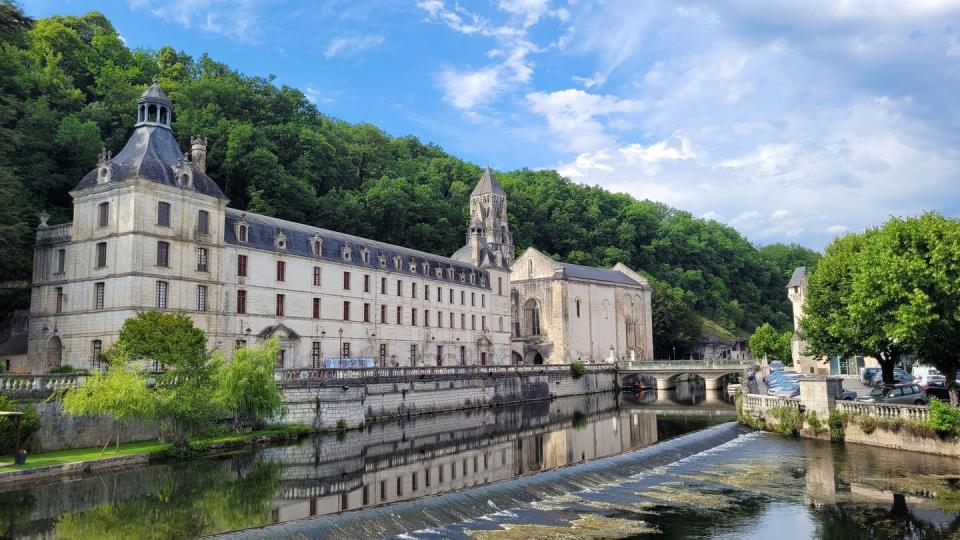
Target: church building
(151,231)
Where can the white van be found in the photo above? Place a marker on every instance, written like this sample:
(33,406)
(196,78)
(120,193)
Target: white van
(924,374)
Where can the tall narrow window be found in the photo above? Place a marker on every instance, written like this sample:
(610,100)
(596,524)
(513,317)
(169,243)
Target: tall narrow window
(483,300)
(413,290)
(242,233)
(201,259)
(61,260)
(383,313)
(163,214)
(439,355)
(366,283)
(346,349)
(101,254)
(413,354)
(463,296)
(163,253)
(280,301)
(201,297)
(242,265)
(95,354)
(315,359)
(203,222)
(316,276)
(463,321)
(439,294)
(426,317)
(316,308)
(281,271)
(452,320)
(451,296)
(162,294)
(383,285)
(499,285)
(483,323)
(59,300)
(346,310)
(98,290)
(463,355)
(103,214)
(241,302)
(426,292)
(413,317)
(473,299)
(439,319)
(500,328)
(399,315)
(473,322)
(578,307)
(346,281)
(383,354)
(399,288)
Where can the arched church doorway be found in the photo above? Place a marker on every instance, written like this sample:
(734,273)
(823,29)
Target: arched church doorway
(54,352)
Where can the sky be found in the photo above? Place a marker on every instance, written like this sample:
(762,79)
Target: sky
(792,121)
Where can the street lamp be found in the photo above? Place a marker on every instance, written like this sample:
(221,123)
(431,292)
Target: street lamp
(340,331)
(323,334)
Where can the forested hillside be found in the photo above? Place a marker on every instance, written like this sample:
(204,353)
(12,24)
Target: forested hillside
(67,88)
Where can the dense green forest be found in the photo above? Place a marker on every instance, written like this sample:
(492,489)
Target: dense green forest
(68,85)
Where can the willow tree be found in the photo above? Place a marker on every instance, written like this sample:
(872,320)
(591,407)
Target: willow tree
(840,319)
(909,280)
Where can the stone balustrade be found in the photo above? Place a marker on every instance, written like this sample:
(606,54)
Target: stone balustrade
(55,233)
(336,376)
(916,413)
(37,386)
(756,403)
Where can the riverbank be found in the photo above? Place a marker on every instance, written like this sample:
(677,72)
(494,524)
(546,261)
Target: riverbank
(88,460)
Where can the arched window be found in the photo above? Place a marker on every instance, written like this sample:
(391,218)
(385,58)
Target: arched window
(163,115)
(631,333)
(529,268)
(606,309)
(242,233)
(152,113)
(531,317)
(578,307)
(141,114)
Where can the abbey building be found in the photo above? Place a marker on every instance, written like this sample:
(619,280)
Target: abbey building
(151,231)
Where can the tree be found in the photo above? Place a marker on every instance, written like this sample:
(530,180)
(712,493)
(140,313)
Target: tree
(246,386)
(910,274)
(769,344)
(841,321)
(185,403)
(120,392)
(29,424)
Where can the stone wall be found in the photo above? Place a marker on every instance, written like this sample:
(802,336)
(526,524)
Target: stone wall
(355,403)
(60,431)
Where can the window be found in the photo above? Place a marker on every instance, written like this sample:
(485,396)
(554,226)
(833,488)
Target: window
(413,317)
(451,296)
(316,276)
(399,315)
(203,222)
(463,321)
(483,300)
(281,358)
(413,353)
(473,322)
(242,265)
(414,481)
(366,312)
(426,292)
(346,281)
(61,260)
(463,355)
(439,319)
(163,214)
(201,297)
(529,268)
(500,285)
(463,297)
(242,233)
(413,290)
(383,285)
(346,349)
(281,271)
(280,299)
(439,294)
(366,283)
(201,259)
(399,288)
(161,295)
(500,328)
(163,253)
(473,299)
(426,475)
(316,308)
(59,300)
(531,313)
(399,486)
(241,302)
(98,289)
(578,307)
(483,323)
(315,359)
(383,354)
(103,214)
(346,311)
(439,355)
(101,254)
(96,353)
(383,313)
(451,319)
(426,317)
(316,245)
(239,344)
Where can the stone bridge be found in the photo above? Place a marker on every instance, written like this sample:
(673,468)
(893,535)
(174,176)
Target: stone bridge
(666,372)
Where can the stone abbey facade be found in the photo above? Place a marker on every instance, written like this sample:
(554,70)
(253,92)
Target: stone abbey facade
(151,231)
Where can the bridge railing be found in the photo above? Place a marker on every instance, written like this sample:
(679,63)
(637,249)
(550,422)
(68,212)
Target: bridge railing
(334,375)
(688,364)
(919,413)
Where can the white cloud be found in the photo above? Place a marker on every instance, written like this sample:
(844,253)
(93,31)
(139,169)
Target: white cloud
(236,19)
(351,45)
(576,118)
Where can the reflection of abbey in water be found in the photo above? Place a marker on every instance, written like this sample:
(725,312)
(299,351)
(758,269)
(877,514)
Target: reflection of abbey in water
(430,455)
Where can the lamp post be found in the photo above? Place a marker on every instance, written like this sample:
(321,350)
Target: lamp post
(323,334)
(340,331)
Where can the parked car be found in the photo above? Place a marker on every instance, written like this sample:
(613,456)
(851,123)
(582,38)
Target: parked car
(899,376)
(866,375)
(785,391)
(938,390)
(923,374)
(905,394)
(847,395)
(776,365)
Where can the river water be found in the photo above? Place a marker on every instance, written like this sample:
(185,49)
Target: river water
(601,466)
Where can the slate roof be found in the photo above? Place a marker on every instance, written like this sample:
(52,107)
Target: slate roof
(263,231)
(150,153)
(596,274)
(487,184)
(799,277)
(154,91)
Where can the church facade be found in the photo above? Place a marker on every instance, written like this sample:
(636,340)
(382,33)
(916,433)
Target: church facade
(151,231)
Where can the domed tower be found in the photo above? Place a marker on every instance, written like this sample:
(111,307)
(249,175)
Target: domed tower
(153,108)
(488,205)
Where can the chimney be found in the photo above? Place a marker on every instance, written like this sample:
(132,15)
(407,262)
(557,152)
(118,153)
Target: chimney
(198,153)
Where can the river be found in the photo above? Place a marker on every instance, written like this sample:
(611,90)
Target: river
(600,466)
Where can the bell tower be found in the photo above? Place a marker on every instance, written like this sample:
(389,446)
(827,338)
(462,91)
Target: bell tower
(488,206)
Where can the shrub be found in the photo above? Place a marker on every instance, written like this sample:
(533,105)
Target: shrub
(29,424)
(341,425)
(66,368)
(814,422)
(944,418)
(579,421)
(577,369)
(789,420)
(836,423)
(867,424)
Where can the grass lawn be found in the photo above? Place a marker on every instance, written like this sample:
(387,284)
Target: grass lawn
(80,454)
(91,454)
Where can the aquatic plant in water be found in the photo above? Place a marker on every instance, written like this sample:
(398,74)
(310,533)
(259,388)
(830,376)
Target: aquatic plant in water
(587,526)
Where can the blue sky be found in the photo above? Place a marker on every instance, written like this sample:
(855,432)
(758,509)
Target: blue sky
(791,121)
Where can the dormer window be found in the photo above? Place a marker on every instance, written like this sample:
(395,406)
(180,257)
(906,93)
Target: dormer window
(439,272)
(483,282)
(463,278)
(280,240)
(103,175)
(383,260)
(425,268)
(450,273)
(473,278)
(316,245)
(397,262)
(365,255)
(242,232)
(413,266)
(346,253)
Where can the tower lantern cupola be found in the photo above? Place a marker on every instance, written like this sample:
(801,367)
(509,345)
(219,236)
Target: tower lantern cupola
(153,108)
